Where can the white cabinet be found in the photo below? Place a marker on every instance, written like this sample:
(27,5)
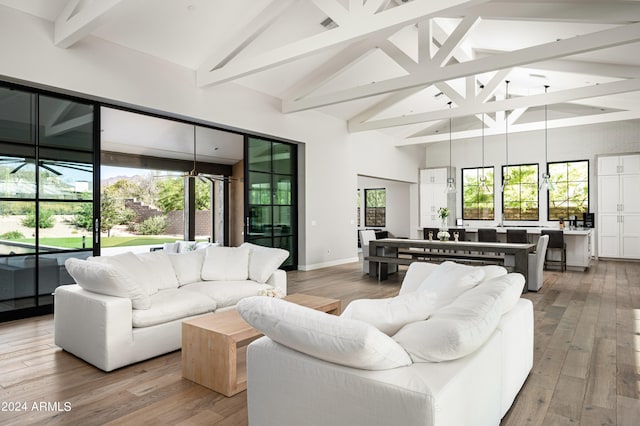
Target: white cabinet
(619,206)
(433,195)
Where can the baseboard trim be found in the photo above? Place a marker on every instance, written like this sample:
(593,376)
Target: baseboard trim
(327,264)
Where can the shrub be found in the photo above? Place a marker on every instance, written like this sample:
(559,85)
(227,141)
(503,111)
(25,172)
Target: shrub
(153,226)
(46,219)
(12,235)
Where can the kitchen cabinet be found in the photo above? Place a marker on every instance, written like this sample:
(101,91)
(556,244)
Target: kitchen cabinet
(433,195)
(618,206)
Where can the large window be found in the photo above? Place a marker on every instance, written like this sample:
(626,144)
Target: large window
(520,196)
(375,207)
(477,194)
(46,185)
(569,192)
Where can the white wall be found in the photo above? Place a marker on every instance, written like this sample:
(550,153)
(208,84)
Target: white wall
(331,160)
(397,207)
(575,143)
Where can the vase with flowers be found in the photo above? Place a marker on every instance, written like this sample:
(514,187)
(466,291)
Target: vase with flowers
(443,234)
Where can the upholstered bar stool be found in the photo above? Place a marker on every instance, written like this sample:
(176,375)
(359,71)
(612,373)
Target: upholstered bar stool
(556,242)
(487,235)
(517,236)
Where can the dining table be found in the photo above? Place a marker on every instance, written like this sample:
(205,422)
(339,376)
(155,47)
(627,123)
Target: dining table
(387,251)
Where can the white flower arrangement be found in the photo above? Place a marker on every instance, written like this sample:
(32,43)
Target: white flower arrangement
(271,292)
(444,235)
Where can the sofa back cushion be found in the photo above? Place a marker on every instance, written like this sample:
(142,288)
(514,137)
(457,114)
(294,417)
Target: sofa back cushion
(157,270)
(103,278)
(391,314)
(264,261)
(327,337)
(187,266)
(451,279)
(461,327)
(225,264)
(133,266)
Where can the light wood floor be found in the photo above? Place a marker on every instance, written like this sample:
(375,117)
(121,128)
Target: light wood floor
(586,371)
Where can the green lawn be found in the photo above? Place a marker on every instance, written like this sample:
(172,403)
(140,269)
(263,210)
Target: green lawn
(76,242)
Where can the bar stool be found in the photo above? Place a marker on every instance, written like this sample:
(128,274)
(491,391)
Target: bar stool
(462,234)
(517,236)
(556,242)
(434,233)
(487,235)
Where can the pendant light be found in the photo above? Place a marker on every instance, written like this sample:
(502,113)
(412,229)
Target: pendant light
(483,179)
(505,178)
(546,182)
(451,182)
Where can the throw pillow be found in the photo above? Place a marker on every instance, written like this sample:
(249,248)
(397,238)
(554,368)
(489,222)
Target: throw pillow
(133,266)
(158,269)
(171,247)
(225,264)
(187,266)
(105,279)
(389,315)
(327,337)
(264,261)
(456,330)
(451,279)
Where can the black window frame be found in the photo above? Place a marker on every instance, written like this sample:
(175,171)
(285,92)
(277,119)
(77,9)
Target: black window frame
(554,182)
(366,208)
(493,192)
(537,182)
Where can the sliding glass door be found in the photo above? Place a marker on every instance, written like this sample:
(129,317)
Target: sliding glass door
(46,196)
(270,190)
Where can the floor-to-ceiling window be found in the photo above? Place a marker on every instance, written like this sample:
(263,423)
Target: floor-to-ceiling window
(47,165)
(270,190)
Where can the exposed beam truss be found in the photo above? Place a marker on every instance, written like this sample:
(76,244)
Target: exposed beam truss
(586,43)
(79,18)
(353,30)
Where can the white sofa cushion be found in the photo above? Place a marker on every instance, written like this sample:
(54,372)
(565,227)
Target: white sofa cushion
(228,293)
(511,286)
(451,279)
(331,338)
(225,264)
(133,266)
(459,328)
(263,261)
(172,304)
(158,270)
(391,314)
(103,278)
(187,266)
(171,247)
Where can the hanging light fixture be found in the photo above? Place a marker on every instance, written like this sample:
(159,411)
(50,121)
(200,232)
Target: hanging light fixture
(546,182)
(505,177)
(451,182)
(483,179)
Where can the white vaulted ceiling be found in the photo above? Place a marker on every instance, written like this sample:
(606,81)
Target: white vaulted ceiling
(389,65)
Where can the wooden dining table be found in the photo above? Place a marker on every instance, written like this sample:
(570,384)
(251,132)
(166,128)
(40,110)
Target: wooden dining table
(386,251)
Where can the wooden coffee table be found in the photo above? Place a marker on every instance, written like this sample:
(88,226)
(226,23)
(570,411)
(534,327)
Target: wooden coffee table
(214,346)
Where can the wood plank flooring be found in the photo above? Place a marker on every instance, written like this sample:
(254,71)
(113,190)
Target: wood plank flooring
(586,364)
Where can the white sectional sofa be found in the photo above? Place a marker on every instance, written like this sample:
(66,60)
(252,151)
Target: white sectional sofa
(129,307)
(452,349)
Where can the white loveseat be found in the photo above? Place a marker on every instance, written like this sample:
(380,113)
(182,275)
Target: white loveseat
(463,365)
(129,307)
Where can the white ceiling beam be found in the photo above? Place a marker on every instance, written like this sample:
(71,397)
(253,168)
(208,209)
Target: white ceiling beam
(394,18)
(77,20)
(515,114)
(504,104)
(399,56)
(525,127)
(374,6)
(490,88)
(586,43)
(382,106)
(258,20)
(454,41)
(339,63)
(425,41)
(451,93)
(335,11)
(610,12)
